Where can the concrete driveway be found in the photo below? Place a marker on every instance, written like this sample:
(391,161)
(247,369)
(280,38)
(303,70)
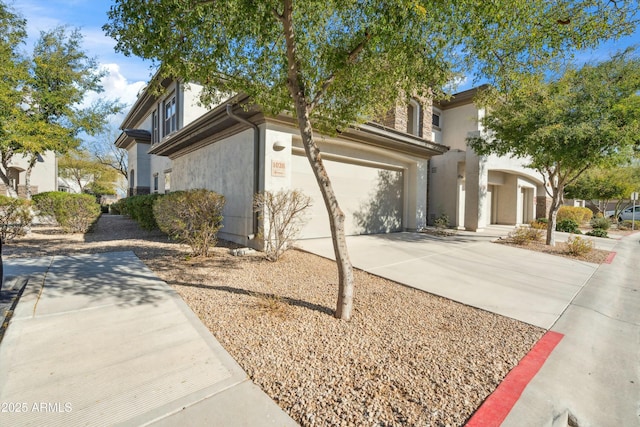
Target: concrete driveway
(525,285)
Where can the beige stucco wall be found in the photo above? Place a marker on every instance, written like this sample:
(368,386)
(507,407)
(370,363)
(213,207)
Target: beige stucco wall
(456,123)
(190,98)
(44,174)
(226,167)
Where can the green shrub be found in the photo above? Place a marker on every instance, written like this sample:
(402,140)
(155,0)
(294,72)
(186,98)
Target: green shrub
(578,214)
(597,232)
(117,208)
(578,246)
(525,235)
(193,217)
(568,226)
(15,217)
(442,221)
(140,209)
(74,213)
(600,223)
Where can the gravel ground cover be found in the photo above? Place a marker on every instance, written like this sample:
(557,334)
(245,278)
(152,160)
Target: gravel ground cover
(406,357)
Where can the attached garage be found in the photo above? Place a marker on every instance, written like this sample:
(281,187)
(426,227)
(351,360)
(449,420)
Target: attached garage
(370,194)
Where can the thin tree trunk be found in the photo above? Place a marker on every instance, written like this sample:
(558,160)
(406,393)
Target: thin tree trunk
(556,202)
(27,177)
(344,304)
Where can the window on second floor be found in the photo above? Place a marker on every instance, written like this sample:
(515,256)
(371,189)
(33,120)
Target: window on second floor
(155,124)
(435,120)
(413,118)
(170,116)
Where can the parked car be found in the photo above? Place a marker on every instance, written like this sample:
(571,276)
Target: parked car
(628,214)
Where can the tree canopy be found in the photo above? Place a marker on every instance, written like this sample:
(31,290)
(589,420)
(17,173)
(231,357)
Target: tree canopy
(42,93)
(587,118)
(88,173)
(333,63)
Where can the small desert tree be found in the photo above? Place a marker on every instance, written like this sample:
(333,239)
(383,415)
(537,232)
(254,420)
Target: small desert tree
(587,118)
(332,64)
(282,215)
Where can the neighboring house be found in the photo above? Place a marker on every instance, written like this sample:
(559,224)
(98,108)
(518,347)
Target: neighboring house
(379,171)
(476,191)
(43,178)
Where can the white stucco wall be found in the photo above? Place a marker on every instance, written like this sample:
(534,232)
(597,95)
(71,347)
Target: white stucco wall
(225,167)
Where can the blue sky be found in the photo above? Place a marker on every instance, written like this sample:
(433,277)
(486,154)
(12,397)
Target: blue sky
(128,75)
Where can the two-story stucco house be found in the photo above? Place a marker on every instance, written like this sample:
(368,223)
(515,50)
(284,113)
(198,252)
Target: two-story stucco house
(379,171)
(476,191)
(44,175)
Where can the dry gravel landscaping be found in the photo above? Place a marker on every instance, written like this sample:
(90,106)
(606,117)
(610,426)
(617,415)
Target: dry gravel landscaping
(406,357)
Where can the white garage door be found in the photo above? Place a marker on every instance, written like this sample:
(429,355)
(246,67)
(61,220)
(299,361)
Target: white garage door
(370,197)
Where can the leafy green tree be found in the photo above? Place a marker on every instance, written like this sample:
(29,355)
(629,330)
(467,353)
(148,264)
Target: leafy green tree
(332,64)
(602,185)
(61,75)
(564,127)
(88,173)
(13,73)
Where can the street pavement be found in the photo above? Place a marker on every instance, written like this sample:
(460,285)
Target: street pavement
(100,340)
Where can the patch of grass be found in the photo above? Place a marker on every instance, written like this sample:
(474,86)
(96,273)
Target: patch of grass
(269,304)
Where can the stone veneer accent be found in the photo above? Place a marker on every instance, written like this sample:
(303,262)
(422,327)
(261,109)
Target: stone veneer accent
(396,118)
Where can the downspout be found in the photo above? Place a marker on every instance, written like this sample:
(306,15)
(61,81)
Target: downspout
(256,162)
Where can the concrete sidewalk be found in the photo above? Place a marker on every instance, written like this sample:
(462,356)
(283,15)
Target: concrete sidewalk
(99,340)
(593,375)
(525,285)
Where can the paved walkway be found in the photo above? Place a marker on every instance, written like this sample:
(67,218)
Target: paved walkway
(528,286)
(592,377)
(105,342)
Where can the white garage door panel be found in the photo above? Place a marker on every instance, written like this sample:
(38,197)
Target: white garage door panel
(370,197)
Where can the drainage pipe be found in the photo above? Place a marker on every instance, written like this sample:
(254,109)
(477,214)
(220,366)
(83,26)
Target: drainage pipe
(256,162)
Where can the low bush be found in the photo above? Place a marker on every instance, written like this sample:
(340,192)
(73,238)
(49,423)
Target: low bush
(15,217)
(283,215)
(140,209)
(539,224)
(525,235)
(193,217)
(578,246)
(628,225)
(597,232)
(117,208)
(74,213)
(568,226)
(578,214)
(600,223)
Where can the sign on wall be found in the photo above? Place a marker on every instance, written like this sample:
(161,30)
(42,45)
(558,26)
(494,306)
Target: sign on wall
(278,168)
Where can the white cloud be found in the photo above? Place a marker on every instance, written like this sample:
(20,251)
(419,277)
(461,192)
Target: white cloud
(116,87)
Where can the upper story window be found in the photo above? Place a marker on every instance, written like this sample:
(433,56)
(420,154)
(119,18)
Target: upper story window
(413,117)
(155,124)
(435,119)
(170,115)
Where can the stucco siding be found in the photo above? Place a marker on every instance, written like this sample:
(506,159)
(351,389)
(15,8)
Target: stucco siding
(225,167)
(456,125)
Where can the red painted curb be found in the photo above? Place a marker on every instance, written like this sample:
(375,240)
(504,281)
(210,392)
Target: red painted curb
(498,405)
(610,258)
